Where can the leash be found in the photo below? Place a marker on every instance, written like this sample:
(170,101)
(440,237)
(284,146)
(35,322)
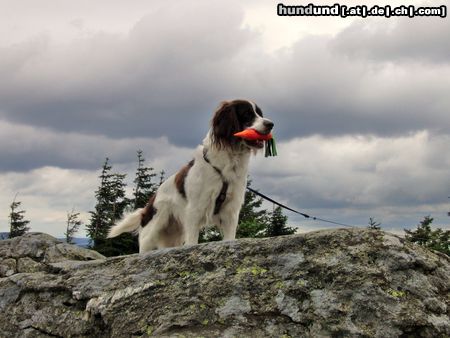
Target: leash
(298,212)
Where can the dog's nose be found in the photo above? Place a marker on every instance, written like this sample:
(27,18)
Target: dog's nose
(268,124)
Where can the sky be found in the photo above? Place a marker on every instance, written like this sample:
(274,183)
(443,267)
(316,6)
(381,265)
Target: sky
(360,105)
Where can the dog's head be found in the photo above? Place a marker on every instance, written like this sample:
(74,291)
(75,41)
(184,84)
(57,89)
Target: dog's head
(234,116)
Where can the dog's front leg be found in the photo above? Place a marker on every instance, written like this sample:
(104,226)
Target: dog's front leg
(229,232)
(191,235)
(228,223)
(192,225)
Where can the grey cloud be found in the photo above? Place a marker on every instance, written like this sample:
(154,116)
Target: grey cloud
(316,90)
(346,179)
(172,67)
(358,173)
(168,74)
(25,148)
(397,40)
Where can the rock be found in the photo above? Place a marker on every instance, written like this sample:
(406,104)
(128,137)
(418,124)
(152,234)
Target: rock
(7,267)
(330,283)
(35,252)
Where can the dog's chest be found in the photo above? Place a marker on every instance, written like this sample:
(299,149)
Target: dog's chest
(234,176)
(234,170)
(230,176)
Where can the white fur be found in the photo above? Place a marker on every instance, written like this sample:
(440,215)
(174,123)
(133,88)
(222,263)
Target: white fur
(130,223)
(178,220)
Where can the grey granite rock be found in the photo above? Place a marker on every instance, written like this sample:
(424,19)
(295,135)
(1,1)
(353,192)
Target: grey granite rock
(331,283)
(34,251)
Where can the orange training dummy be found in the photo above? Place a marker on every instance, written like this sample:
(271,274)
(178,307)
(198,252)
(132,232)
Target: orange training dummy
(252,135)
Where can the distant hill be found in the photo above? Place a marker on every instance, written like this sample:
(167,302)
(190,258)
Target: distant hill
(83,242)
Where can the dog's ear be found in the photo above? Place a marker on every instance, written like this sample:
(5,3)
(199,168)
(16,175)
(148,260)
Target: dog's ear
(224,125)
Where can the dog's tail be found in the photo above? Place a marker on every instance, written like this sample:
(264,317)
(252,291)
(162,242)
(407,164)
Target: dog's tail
(130,223)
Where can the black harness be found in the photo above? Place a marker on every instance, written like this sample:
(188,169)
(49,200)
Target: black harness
(223,191)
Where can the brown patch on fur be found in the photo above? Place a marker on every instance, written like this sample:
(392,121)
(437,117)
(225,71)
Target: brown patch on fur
(181,177)
(148,212)
(230,118)
(172,234)
(225,124)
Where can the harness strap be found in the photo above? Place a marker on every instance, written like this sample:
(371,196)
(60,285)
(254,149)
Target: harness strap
(223,191)
(221,198)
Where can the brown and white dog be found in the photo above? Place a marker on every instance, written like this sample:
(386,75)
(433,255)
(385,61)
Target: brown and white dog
(209,190)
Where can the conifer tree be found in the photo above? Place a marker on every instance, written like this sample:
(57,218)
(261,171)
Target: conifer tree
(18,225)
(144,186)
(374,225)
(101,218)
(73,224)
(111,202)
(277,225)
(210,234)
(423,233)
(438,239)
(162,174)
(119,201)
(252,220)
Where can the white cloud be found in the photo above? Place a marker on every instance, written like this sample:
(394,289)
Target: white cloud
(48,185)
(346,179)
(351,178)
(47,194)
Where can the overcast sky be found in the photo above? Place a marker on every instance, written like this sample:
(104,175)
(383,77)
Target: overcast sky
(361,105)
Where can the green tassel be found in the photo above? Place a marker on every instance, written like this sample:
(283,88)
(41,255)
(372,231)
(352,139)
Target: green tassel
(271,148)
(274,147)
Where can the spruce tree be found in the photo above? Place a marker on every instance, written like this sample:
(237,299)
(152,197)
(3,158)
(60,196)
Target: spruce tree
(277,225)
(144,186)
(119,201)
(73,224)
(438,239)
(18,225)
(423,234)
(101,218)
(162,177)
(210,234)
(111,202)
(374,225)
(252,220)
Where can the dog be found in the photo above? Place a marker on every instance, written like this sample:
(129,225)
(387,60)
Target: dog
(209,190)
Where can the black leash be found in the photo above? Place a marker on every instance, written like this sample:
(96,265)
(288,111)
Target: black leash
(297,212)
